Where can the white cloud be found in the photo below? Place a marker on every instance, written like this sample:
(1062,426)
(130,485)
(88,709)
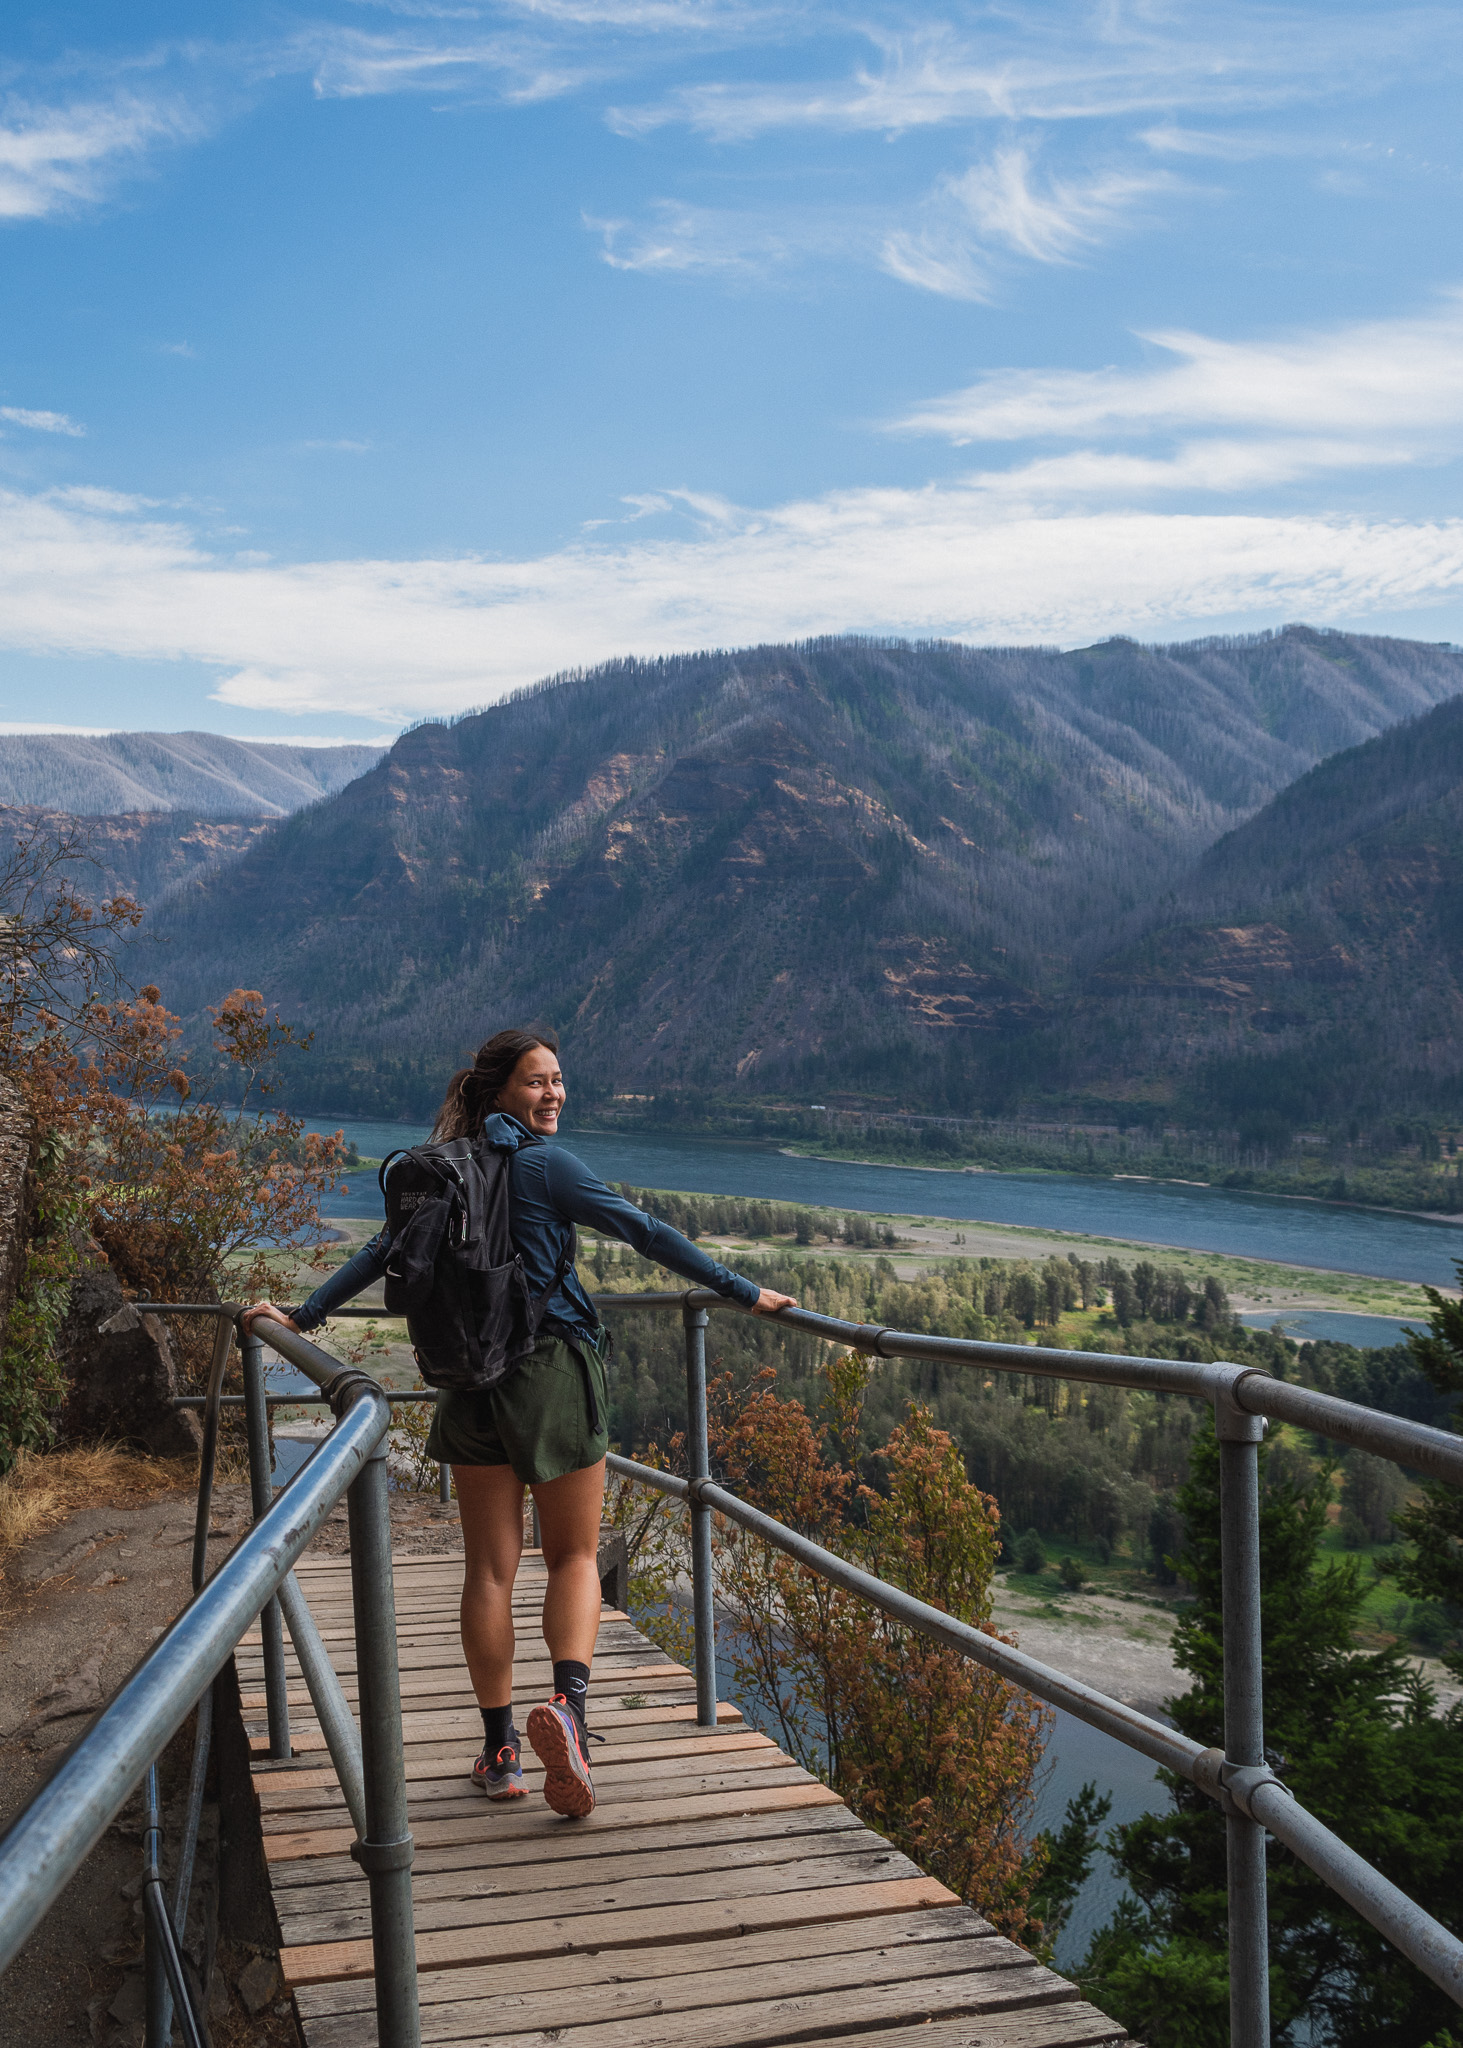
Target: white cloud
(55,158)
(41,422)
(340,447)
(1062,63)
(700,240)
(998,206)
(397,639)
(1398,378)
(357,65)
(956,240)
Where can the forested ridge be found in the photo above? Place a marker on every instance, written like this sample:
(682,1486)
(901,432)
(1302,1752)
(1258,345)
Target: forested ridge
(923,877)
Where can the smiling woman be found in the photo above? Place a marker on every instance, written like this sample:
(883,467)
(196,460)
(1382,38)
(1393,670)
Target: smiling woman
(542,1420)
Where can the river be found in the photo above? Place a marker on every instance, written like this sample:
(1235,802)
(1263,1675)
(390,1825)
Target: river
(1330,1236)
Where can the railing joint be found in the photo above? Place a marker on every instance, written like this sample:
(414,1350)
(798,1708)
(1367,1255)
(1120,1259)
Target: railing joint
(1233,1423)
(1242,1781)
(376,1858)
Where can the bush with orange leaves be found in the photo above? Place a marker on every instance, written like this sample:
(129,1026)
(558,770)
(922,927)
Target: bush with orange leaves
(933,1751)
(178,1183)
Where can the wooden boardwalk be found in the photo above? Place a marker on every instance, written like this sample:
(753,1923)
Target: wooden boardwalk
(718,1896)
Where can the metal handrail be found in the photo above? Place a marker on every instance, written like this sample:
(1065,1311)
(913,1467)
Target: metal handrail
(63,1822)
(1238,1777)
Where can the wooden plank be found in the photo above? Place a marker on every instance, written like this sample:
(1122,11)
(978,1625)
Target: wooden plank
(445,1654)
(532,1871)
(837,2014)
(620,1776)
(463,1723)
(485,1902)
(424,1761)
(721,1995)
(447,1683)
(753,1797)
(1073,2025)
(528,1836)
(897,1934)
(645,1926)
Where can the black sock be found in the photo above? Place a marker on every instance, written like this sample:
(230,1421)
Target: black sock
(572,1680)
(497,1727)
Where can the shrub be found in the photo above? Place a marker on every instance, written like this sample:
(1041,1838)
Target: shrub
(936,1752)
(1030,1554)
(1071,1574)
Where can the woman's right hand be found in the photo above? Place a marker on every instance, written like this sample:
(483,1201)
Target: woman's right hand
(267,1308)
(768,1303)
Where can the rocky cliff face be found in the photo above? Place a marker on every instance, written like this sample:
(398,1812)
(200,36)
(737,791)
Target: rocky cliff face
(880,869)
(141,854)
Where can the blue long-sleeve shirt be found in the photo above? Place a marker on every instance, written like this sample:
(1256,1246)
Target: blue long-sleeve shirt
(549,1191)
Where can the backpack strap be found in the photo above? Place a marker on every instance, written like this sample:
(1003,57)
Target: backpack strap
(561,1272)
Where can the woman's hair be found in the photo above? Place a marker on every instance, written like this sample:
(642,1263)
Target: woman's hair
(472,1093)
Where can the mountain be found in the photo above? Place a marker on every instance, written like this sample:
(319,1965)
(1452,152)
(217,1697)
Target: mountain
(853,868)
(198,772)
(1309,967)
(141,854)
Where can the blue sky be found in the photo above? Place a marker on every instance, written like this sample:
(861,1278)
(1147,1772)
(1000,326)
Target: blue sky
(358,364)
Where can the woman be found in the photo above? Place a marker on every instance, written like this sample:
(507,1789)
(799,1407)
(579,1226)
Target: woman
(544,1426)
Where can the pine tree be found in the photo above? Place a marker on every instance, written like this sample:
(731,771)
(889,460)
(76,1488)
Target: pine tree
(1356,1737)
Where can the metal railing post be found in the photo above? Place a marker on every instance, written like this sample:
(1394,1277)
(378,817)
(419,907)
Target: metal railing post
(261,1490)
(385,1854)
(703,1596)
(1239,1437)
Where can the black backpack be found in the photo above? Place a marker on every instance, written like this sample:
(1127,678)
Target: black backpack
(452,1270)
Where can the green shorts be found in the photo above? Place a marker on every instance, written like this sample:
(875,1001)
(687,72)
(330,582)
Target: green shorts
(548,1417)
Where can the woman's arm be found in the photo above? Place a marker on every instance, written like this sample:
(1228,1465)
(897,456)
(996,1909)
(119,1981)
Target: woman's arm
(584,1198)
(359,1270)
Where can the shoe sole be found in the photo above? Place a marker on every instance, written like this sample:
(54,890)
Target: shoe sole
(517,1790)
(567,1785)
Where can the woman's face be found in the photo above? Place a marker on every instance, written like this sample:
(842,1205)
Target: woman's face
(534,1092)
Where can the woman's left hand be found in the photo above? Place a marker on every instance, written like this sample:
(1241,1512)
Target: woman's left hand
(768,1303)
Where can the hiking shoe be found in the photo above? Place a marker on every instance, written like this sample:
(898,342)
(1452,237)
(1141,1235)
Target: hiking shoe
(561,1745)
(501,1777)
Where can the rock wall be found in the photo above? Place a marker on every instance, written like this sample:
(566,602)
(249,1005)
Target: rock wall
(122,1372)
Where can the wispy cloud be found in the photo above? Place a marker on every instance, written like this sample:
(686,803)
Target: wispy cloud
(340,447)
(395,639)
(41,422)
(999,207)
(732,243)
(355,64)
(1381,377)
(55,158)
(1065,63)
(957,239)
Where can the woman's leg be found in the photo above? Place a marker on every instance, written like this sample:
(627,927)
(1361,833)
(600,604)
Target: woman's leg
(490,1500)
(569,1511)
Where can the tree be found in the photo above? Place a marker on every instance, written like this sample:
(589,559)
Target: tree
(1433,1569)
(1359,1742)
(168,1182)
(933,1750)
(57,950)
(179,1183)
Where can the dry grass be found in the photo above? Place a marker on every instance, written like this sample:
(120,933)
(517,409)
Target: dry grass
(39,1491)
